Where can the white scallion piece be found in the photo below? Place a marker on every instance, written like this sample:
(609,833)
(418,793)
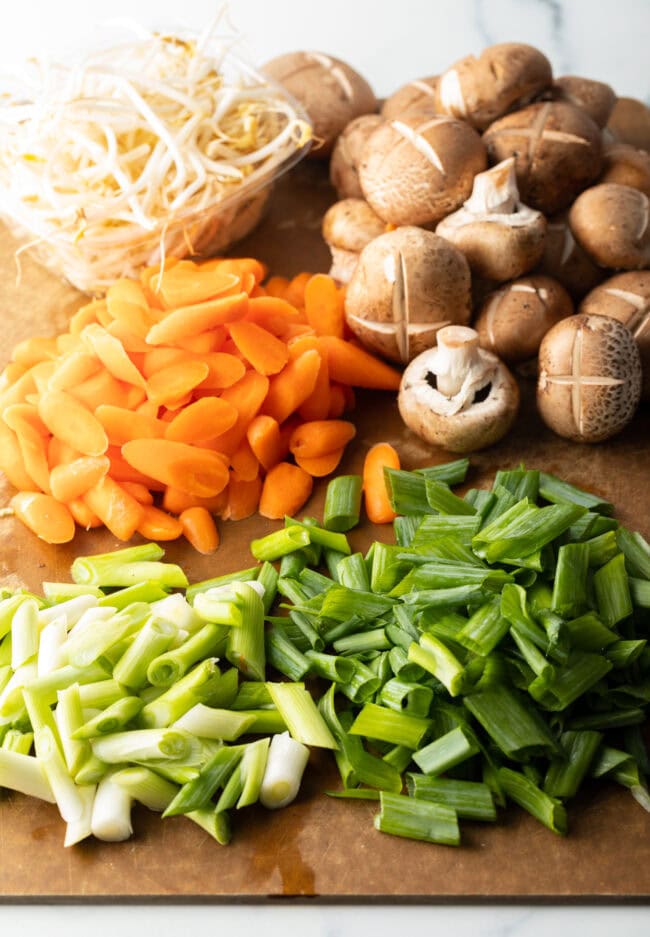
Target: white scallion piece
(285,766)
(24,633)
(209,723)
(81,828)
(72,609)
(111,815)
(53,637)
(24,773)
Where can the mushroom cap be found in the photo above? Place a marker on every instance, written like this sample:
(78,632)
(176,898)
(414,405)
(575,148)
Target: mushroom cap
(351,224)
(589,381)
(418,169)
(501,238)
(407,284)
(557,149)
(414,95)
(626,297)
(629,122)
(480,425)
(330,90)
(594,97)
(514,319)
(611,222)
(504,76)
(626,165)
(565,261)
(346,154)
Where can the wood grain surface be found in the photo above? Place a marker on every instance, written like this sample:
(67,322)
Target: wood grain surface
(320,846)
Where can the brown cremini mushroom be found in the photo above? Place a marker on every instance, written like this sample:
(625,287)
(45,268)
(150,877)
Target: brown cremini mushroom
(407,285)
(626,165)
(348,226)
(589,381)
(344,163)
(611,222)
(418,169)
(565,261)
(330,90)
(414,95)
(501,238)
(594,97)
(626,297)
(504,76)
(557,149)
(457,395)
(629,122)
(513,320)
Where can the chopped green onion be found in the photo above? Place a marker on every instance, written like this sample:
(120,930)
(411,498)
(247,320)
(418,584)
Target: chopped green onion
(472,800)
(299,712)
(285,766)
(548,810)
(277,544)
(553,489)
(613,591)
(197,793)
(387,725)
(443,500)
(342,503)
(417,819)
(210,723)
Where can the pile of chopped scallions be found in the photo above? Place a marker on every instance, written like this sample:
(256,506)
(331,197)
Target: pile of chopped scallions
(496,652)
(132,152)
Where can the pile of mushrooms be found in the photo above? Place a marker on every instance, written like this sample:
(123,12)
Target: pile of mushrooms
(540,183)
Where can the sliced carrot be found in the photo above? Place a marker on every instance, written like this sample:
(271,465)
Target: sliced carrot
(200,529)
(321,465)
(12,462)
(104,388)
(336,402)
(60,453)
(284,491)
(191,320)
(239,266)
(186,284)
(82,514)
(277,286)
(317,405)
(10,375)
(320,437)
(33,448)
(42,373)
(170,384)
(138,491)
(131,342)
(224,370)
(176,501)
(204,342)
(44,515)
(375,494)
(247,395)
(202,420)
(244,463)
(121,471)
(127,304)
(273,313)
(74,369)
(263,436)
(163,357)
(116,509)
(324,306)
(243,499)
(295,292)
(70,480)
(27,412)
(292,386)
(72,422)
(159,525)
(122,424)
(32,350)
(266,353)
(86,315)
(111,353)
(196,471)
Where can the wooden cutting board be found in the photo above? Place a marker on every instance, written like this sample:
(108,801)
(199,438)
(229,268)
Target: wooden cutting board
(320,846)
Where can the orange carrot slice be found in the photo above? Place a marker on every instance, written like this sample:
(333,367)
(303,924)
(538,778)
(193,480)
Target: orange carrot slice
(284,491)
(324,305)
(202,420)
(104,388)
(200,529)
(244,463)
(176,501)
(352,365)
(375,494)
(121,424)
(111,353)
(266,353)
(247,395)
(295,292)
(82,514)
(70,480)
(263,436)
(159,525)
(190,320)
(74,369)
(196,471)
(186,284)
(127,304)
(317,405)
(33,448)
(243,499)
(138,491)
(276,286)
(224,370)
(170,384)
(321,465)
(44,515)
(320,437)
(12,462)
(116,509)
(292,386)
(32,350)
(72,422)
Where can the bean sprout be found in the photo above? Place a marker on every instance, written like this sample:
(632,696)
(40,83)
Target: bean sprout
(158,147)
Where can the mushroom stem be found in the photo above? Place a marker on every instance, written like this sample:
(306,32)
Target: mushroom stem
(457,355)
(495,191)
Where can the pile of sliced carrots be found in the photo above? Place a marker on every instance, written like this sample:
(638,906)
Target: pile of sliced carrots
(195,392)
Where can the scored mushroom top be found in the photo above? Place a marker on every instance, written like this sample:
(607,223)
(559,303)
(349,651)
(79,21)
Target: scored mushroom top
(330,90)
(626,297)
(346,155)
(416,169)
(407,285)
(457,395)
(626,165)
(629,122)
(557,149)
(504,76)
(589,381)
(414,95)
(500,237)
(594,97)
(612,223)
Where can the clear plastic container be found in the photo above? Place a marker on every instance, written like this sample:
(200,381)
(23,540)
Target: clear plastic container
(121,249)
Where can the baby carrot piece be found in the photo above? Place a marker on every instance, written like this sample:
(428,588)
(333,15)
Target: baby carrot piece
(196,471)
(266,353)
(32,350)
(276,286)
(121,424)
(176,501)
(244,463)
(131,342)
(127,304)
(116,509)
(85,315)
(159,525)
(200,529)
(317,405)
(170,384)
(273,313)
(284,491)
(224,370)
(110,352)
(163,357)
(70,480)
(121,471)
(201,420)
(350,364)
(82,514)
(58,453)
(72,422)
(190,320)
(324,305)
(376,500)
(104,388)
(336,402)
(204,342)
(243,499)
(321,465)
(74,369)
(263,436)
(295,292)
(188,283)
(44,515)
(12,462)
(138,491)
(239,266)
(292,386)
(33,448)
(318,438)
(247,395)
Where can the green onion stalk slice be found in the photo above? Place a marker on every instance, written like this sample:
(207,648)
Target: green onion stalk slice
(153,639)
(26,774)
(111,815)
(81,827)
(548,810)
(145,745)
(52,638)
(194,687)
(168,667)
(69,717)
(285,766)
(245,643)
(84,647)
(417,819)
(197,793)
(398,728)
(472,800)
(112,719)
(300,714)
(342,507)
(24,633)
(145,786)
(446,752)
(253,768)
(206,722)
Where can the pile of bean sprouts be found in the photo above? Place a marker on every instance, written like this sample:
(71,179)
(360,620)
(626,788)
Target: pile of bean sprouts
(164,145)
